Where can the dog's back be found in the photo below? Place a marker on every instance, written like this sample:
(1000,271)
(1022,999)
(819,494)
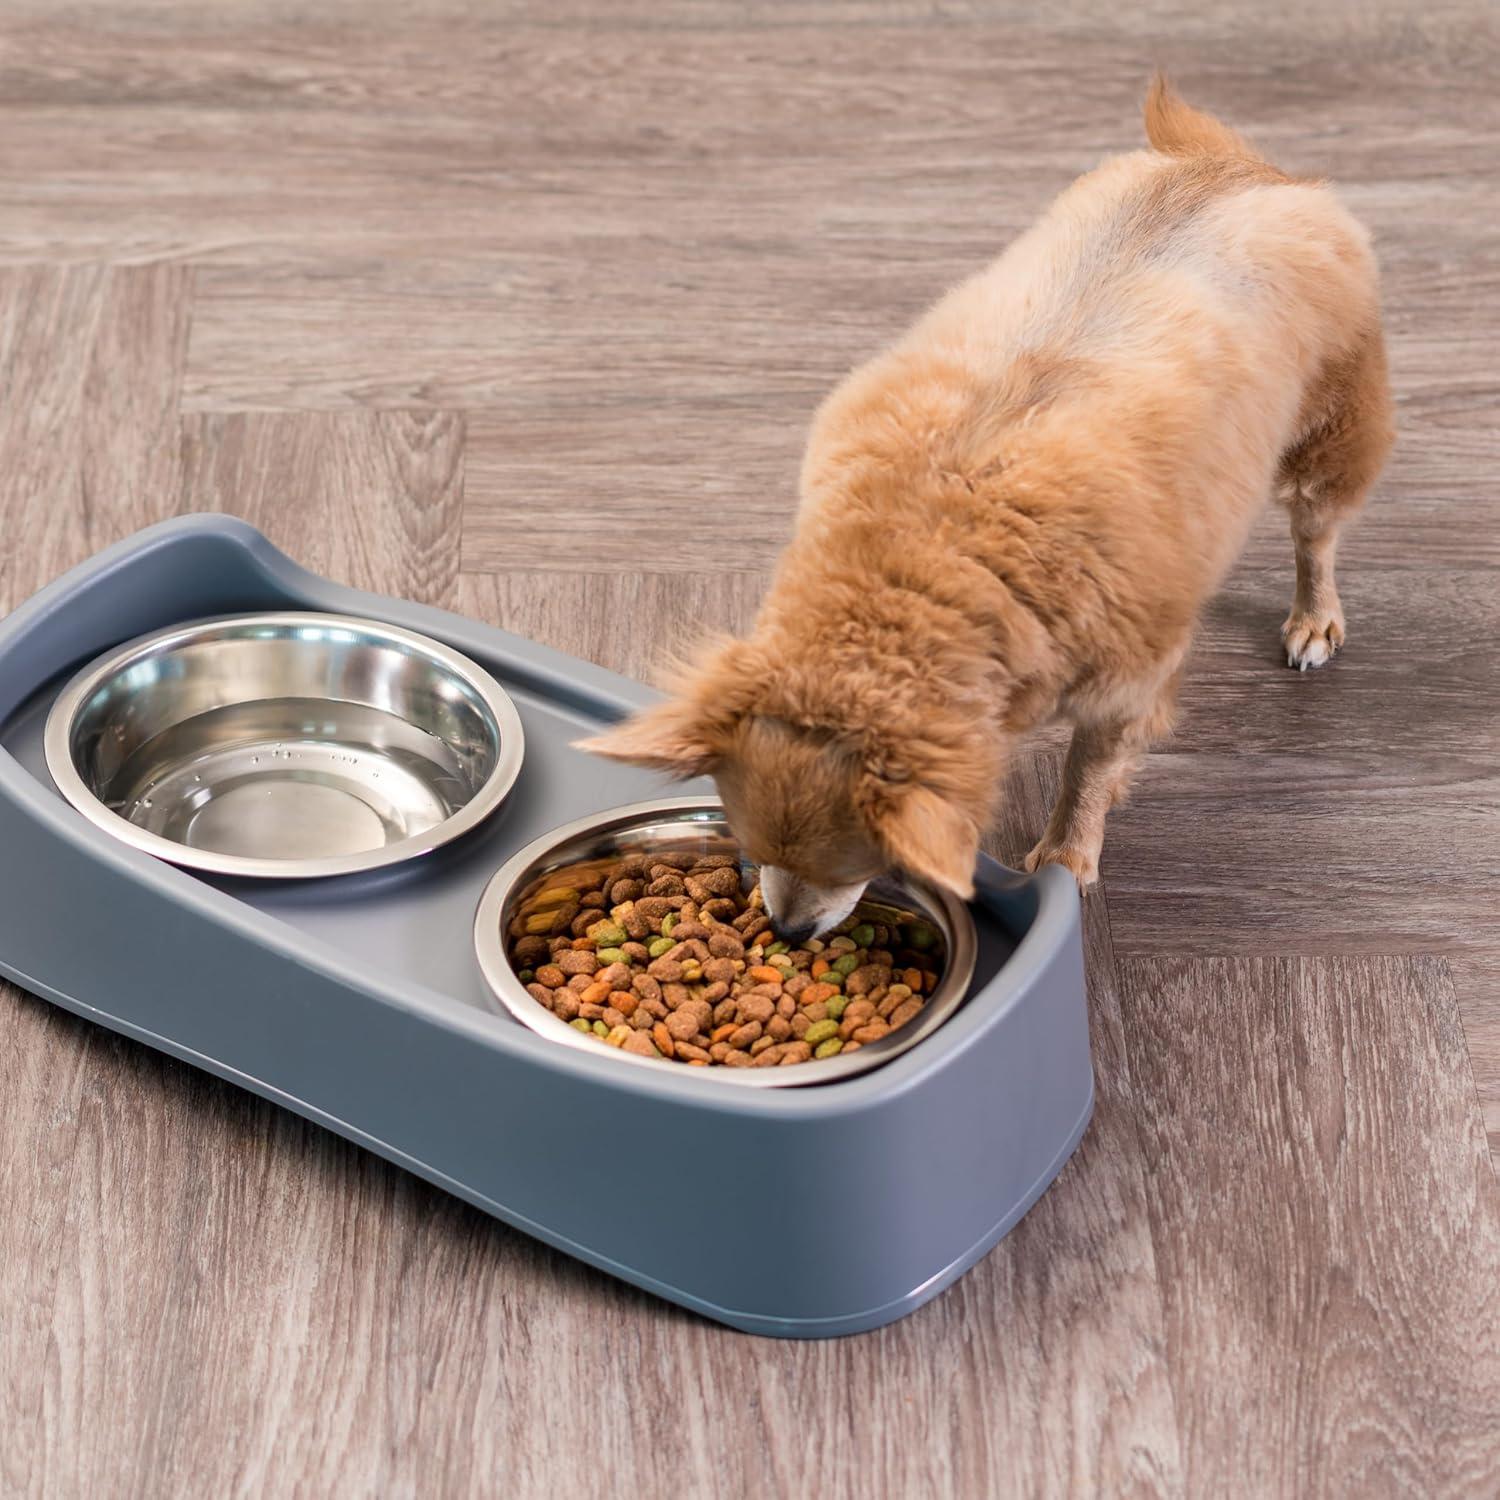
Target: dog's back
(1166,324)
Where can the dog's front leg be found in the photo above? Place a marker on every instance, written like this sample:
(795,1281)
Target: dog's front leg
(1102,758)
(1096,775)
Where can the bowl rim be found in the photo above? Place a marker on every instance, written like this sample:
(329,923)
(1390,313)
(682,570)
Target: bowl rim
(63,715)
(504,986)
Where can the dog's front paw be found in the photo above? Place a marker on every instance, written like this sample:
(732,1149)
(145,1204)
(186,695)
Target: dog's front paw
(1311,637)
(1084,863)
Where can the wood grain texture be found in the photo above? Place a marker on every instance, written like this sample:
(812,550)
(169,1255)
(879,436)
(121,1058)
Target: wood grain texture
(525,311)
(374,499)
(1101,1288)
(1355,810)
(1314,1355)
(640,489)
(44,1056)
(628,622)
(91,361)
(1352,809)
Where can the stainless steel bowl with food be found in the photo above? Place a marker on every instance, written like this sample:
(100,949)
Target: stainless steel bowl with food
(641,930)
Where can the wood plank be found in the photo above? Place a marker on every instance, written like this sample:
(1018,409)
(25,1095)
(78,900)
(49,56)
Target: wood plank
(91,362)
(1355,809)
(1219,853)
(47,323)
(1083,1262)
(712,488)
(46,1059)
(1326,1224)
(1387,702)
(629,622)
(611,120)
(209,1236)
(743,320)
(371,499)
(1476,980)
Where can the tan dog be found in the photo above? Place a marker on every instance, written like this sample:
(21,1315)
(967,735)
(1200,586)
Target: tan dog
(1020,510)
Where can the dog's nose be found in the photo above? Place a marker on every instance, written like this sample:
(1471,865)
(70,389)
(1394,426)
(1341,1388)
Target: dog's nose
(794,937)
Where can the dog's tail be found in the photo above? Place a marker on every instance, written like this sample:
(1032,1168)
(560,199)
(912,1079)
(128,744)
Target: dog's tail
(1180,130)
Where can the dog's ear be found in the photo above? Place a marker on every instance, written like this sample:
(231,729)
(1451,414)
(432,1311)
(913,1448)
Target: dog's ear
(920,830)
(688,734)
(671,737)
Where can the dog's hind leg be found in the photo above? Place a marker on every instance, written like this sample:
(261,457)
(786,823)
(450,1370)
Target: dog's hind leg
(1102,758)
(1324,478)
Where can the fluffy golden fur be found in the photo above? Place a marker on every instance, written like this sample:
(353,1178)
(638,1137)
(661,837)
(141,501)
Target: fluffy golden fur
(1020,509)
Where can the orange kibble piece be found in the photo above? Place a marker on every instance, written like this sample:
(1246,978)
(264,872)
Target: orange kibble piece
(722,1033)
(663,1039)
(765,974)
(596,994)
(819,968)
(912,979)
(623,1001)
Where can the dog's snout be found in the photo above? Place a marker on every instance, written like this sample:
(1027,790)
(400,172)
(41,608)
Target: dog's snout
(795,934)
(799,910)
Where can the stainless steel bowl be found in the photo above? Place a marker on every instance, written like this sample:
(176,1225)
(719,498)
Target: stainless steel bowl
(284,746)
(699,825)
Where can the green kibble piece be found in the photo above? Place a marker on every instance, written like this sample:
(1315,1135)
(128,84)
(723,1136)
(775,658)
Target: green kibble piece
(600,1029)
(832,977)
(836,1005)
(863,936)
(842,944)
(775,948)
(526,975)
(921,936)
(668,922)
(831,1047)
(820,1031)
(611,956)
(658,946)
(581,1025)
(608,934)
(846,964)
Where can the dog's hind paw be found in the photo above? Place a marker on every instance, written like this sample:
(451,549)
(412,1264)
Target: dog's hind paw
(1084,863)
(1312,639)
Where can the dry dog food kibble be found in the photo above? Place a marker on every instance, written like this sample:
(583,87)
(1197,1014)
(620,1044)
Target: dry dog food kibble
(666,955)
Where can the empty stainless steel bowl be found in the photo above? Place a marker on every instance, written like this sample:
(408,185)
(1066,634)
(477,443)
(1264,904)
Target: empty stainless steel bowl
(284,746)
(698,825)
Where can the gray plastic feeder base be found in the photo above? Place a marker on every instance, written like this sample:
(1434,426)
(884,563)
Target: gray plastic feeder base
(357,1001)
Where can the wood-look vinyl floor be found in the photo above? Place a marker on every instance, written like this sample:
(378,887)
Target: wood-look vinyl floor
(523,310)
